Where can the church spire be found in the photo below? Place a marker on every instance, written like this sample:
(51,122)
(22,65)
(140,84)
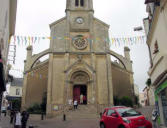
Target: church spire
(86,5)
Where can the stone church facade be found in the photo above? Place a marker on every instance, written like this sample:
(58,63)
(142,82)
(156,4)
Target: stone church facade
(79,63)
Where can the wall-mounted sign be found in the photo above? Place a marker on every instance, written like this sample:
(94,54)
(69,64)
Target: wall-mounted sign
(55,108)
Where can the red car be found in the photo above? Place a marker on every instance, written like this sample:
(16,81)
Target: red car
(123,117)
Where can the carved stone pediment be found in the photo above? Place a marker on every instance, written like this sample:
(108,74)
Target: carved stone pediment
(80,78)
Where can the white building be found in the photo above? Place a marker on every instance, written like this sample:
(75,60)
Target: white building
(7,26)
(156,30)
(7,29)
(15,90)
(136,90)
(141,99)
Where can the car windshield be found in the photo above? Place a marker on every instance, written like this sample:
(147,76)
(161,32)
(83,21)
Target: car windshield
(127,112)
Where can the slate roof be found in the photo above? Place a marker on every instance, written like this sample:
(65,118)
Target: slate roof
(17,82)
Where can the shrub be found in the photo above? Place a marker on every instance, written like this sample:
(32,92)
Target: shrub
(39,108)
(35,109)
(16,104)
(116,101)
(126,101)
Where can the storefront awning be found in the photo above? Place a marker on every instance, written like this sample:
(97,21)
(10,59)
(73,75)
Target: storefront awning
(11,98)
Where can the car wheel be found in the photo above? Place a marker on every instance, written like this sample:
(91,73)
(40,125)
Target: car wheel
(121,126)
(102,125)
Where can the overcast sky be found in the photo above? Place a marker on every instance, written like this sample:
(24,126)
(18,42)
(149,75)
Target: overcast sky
(34,17)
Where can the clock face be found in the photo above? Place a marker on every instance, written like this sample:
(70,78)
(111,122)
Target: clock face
(80,42)
(80,20)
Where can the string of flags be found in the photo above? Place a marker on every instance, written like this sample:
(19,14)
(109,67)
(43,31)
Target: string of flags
(30,40)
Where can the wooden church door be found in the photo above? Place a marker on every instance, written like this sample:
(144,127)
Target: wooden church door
(76,93)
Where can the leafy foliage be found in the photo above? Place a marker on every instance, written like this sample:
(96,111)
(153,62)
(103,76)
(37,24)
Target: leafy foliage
(39,108)
(16,104)
(125,101)
(35,109)
(148,82)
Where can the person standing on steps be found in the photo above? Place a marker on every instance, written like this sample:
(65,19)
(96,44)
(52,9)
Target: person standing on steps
(75,104)
(81,99)
(84,99)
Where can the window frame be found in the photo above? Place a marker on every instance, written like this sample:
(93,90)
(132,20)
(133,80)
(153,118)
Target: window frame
(76,3)
(82,3)
(107,114)
(17,91)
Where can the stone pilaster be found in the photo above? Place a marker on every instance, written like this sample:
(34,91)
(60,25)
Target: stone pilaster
(109,79)
(49,88)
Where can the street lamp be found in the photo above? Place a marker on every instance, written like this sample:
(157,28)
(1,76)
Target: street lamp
(140,28)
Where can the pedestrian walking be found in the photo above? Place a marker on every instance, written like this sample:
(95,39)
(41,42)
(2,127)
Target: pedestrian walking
(81,99)
(12,115)
(75,104)
(25,117)
(17,123)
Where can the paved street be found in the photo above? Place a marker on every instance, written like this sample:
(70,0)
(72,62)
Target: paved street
(55,123)
(75,119)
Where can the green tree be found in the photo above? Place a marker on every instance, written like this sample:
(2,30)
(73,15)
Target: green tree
(16,104)
(35,109)
(148,82)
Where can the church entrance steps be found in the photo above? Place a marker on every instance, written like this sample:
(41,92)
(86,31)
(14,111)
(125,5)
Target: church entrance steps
(83,112)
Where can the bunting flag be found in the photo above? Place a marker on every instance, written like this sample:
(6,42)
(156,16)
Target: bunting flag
(30,40)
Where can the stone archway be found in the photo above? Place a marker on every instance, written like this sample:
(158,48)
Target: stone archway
(80,77)
(80,86)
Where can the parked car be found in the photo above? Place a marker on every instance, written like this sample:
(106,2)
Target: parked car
(3,109)
(123,117)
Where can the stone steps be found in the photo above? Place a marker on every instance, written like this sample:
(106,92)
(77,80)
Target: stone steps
(83,112)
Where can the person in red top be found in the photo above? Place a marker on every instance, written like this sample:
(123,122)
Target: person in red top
(84,100)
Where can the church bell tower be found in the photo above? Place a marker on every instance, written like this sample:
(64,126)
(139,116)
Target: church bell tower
(73,5)
(79,14)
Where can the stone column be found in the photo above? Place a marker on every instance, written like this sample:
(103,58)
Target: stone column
(49,87)
(127,53)
(23,105)
(127,56)
(26,68)
(109,79)
(67,87)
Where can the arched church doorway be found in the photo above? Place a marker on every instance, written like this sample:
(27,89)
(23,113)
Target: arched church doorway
(80,81)
(80,94)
